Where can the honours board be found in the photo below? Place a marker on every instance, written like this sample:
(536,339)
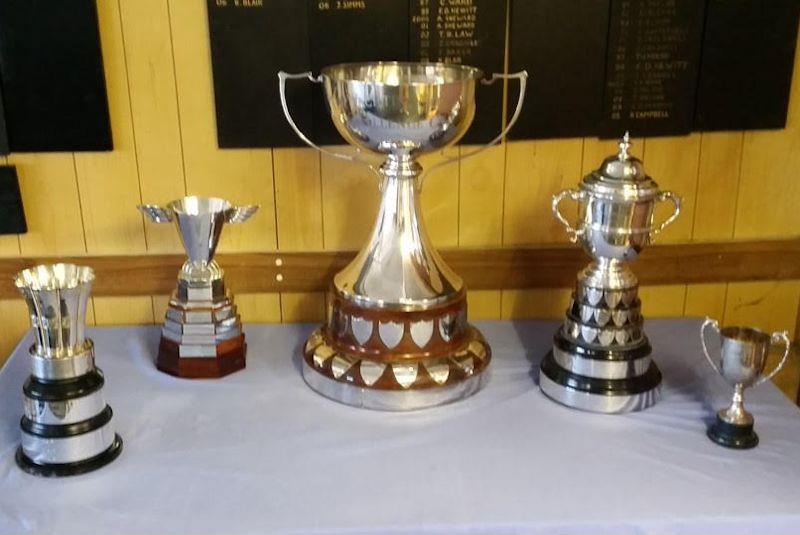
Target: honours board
(51,72)
(251,40)
(598,67)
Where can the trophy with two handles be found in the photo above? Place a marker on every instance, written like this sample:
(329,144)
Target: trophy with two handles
(397,336)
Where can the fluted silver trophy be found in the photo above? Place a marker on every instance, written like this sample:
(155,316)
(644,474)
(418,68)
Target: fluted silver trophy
(67,428)
(600,360)
(397,336)
(202,334)
(741,362)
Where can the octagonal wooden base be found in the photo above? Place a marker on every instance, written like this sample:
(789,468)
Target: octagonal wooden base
(230,358)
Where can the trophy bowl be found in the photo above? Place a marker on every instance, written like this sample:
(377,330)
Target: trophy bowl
(391,107)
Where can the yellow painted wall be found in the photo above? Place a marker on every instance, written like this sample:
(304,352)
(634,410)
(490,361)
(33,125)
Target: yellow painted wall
(158,73)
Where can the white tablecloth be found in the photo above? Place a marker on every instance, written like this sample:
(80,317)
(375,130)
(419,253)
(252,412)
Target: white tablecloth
(259,452)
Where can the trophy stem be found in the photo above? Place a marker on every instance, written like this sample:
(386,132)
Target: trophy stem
(733,427)
(397,336)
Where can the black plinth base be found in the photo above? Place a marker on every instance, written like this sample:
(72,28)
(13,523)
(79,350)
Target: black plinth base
(740,437)
(70,469)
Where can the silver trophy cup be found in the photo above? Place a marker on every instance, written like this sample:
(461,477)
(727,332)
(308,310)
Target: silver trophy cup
(600,360)
(741,362)
(202,335)
(397,336)
(67,428)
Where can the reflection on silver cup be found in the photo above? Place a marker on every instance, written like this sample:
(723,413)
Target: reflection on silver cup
(202,335)
(67,428)
(616,205)
(741,362)
(397,336)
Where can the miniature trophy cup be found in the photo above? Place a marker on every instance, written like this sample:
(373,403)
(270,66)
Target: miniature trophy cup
(202,335)
(741,363)
(397,336)
(600,360)
(67,429)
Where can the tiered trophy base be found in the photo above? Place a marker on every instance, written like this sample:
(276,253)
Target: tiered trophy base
(610,396)
(202,335)
(600,361)
(69,469)
(396,361)
(229,357)
(739,437)
(67,428)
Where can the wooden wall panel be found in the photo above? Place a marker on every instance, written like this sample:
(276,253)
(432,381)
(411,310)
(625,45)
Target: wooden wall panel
(154,110)
(157,61)
(769,189)
(480,216)
(110,222)
(298,209)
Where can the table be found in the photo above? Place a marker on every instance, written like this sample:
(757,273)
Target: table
(259,452)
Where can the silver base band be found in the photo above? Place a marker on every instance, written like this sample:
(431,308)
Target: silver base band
(64,412)
(601,369)
(70,449)
(60,368)
(391,400)
(601,403)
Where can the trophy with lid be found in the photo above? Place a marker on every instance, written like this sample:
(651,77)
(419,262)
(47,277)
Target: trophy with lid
(397,336)
(202,334)
(67,428)
(600,360)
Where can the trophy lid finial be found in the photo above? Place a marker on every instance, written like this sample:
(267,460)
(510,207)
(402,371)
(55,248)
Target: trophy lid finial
(624,146)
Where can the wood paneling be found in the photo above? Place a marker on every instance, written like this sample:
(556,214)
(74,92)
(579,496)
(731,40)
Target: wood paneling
(481,269)
(160,90)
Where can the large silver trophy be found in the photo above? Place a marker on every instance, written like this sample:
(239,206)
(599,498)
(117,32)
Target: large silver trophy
(202,334)
(600,359)
(67,429)
(397,336)
(741,362)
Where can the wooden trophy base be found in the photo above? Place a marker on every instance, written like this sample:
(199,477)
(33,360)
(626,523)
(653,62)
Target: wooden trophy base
(230,357)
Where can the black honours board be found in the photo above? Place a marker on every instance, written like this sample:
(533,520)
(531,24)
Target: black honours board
(352,31)
(651,66)
(4,147)
(598,67)
(51,71)
(465,32)
(12,217)
(252,41)
(746,70)
(563,46)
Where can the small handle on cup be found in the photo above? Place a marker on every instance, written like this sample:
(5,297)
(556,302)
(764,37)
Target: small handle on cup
(577,196)
(240,214)
(778,337)
(308,75)
(156,213)
(676,201)
(522,77)
(709,323)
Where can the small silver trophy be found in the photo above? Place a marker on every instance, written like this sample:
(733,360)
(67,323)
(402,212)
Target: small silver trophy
(202,334)
(741,362)
(600,359)
(67,429)
(397,336)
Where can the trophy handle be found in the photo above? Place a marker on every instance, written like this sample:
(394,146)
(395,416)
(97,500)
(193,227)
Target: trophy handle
(709,323)
(778,337)
(522,77)
(156,213)
(575,195)
(240,214)
(308,75)
(676,201)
